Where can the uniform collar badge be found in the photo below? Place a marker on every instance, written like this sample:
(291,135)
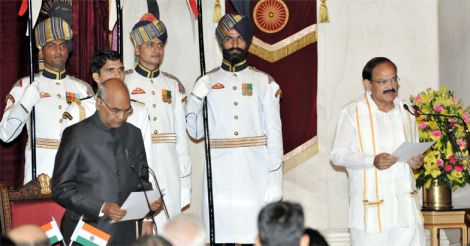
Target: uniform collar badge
(140,69)
(53,74)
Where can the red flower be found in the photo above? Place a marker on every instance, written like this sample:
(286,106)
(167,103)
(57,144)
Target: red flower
(448,168)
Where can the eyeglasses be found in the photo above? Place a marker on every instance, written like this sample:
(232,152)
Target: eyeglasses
(385,81)
(128,111)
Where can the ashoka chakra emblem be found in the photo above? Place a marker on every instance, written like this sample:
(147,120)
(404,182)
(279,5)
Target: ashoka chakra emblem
(271,15)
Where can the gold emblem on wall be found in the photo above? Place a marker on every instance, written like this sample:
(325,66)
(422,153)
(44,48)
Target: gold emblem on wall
(271,16)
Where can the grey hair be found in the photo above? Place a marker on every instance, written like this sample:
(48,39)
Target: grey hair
(184,225)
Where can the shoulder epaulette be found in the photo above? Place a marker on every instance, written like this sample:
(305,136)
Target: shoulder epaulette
(78,80)
(181,88)
(25,80)
(84,83)
(139,102)
(211,71)
(128,71)
(270,78)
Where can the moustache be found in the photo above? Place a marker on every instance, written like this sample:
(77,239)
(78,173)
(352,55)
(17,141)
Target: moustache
(231,50)
(390,91)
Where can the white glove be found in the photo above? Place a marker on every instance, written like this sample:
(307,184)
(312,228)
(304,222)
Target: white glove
(30,97)
(201,88)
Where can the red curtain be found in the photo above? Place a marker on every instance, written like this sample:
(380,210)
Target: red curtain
(90,34)
(296,73)
(14,60)
(90,27)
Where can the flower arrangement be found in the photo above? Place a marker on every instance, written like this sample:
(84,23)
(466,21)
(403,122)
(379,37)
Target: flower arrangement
(440,161)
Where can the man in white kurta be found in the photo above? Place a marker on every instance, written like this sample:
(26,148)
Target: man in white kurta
(50,93)
(163,96)
(384,208)
(245,135)
(107,64)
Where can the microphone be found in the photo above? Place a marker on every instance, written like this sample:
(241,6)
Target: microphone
(132,166)
(450,131)
(405,106)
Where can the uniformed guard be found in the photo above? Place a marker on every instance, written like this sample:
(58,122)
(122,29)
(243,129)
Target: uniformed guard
(50,93)
(163,96)
(245,135)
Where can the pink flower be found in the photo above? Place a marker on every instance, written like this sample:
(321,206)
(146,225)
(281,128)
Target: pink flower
(452,159)
(438,108)
(440,163)
(436,133)
(423,124)
(448,168)
(459,168)
(461,143)
(451,120)
(465,117)
(418,98)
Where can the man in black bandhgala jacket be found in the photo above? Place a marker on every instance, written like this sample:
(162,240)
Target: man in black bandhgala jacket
(99,163)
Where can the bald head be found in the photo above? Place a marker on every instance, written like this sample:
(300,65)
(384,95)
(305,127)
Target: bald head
(185,230)
(113,103)
(28,235)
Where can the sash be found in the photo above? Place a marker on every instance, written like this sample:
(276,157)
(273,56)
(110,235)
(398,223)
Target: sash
(367,142)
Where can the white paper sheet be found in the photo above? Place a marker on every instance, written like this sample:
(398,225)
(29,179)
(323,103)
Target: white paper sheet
(408,150)
(136,204)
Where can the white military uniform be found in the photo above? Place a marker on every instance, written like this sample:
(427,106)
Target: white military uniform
(85,108)
(246,147)
(384,208)
(56,91)
(163,96)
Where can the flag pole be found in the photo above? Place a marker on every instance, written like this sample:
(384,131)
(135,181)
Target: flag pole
(119,27)
(202,63)
(31,80)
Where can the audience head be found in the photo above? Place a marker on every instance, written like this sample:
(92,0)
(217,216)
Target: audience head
(185,230)
(28,235)
(281,223)
(152,241)
(315,237)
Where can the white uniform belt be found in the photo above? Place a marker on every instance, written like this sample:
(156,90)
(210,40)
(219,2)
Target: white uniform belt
(47,143)
(164,138)
(238,142)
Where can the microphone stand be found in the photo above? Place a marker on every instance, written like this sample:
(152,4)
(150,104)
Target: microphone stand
(143,188)
(167,215)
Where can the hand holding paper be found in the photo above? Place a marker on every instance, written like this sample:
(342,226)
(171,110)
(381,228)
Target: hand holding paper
(136,204)
(407,150)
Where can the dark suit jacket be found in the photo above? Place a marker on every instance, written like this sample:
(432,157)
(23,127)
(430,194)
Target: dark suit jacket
(91,167)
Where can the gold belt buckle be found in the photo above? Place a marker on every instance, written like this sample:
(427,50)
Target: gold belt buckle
(373,203)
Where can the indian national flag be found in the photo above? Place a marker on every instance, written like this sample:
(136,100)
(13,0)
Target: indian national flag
(88,235)
(52,232)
